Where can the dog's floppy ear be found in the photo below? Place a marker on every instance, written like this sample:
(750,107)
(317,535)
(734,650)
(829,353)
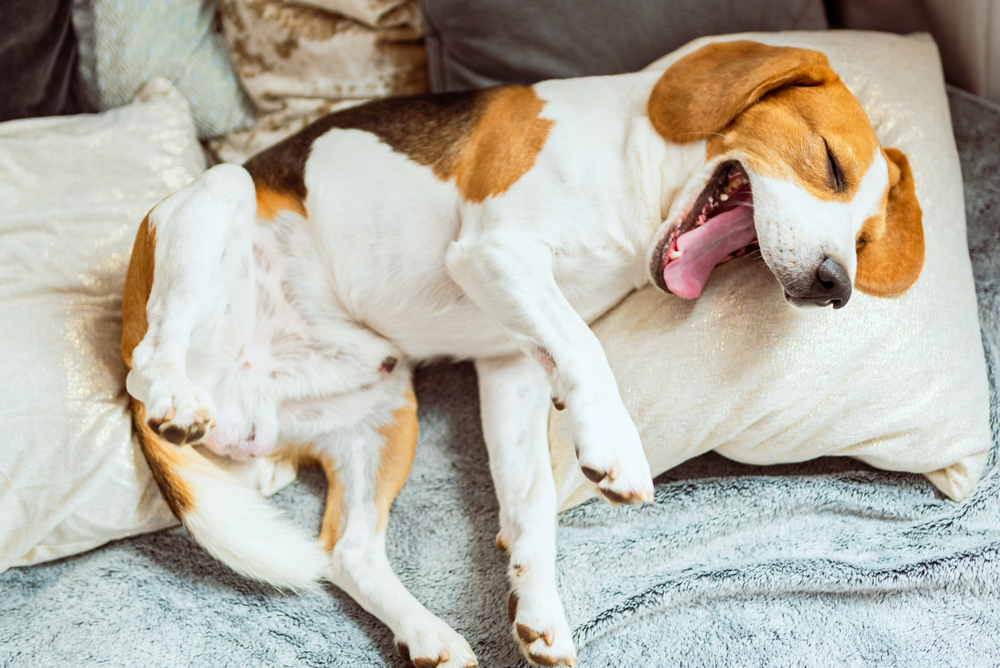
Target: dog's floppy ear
(704,91)
(891,255)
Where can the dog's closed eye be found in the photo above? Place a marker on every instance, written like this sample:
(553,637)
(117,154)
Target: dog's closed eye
(836,175)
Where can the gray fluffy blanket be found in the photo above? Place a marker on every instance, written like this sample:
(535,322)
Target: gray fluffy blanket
(828,563)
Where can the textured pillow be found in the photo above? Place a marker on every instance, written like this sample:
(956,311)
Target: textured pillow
(899,383)
(478,44)
(299,60)
(74,190)
(136,40)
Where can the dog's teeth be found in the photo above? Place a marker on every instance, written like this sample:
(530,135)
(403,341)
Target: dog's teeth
(724,197)
(674,254)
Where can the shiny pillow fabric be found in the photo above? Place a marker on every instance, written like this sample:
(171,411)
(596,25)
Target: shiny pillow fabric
(74,190)
(899,383)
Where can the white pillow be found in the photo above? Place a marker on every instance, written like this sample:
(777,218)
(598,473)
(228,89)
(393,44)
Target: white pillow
(74,190)
(899,383)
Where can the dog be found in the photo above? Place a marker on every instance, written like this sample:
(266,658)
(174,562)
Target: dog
(277,309)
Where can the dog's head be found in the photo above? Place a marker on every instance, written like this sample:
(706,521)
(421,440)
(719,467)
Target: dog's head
(792,166)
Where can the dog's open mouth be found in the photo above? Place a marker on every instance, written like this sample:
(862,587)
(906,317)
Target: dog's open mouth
(718,228)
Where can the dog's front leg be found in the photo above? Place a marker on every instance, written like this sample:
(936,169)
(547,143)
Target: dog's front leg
(514,396)
(512,280)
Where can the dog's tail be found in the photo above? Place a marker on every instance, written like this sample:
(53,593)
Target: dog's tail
(233,522)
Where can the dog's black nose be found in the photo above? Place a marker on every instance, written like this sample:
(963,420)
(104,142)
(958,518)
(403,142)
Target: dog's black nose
(831,285)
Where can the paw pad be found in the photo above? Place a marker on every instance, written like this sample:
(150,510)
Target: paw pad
(526,634)
(546,660)
(179,435)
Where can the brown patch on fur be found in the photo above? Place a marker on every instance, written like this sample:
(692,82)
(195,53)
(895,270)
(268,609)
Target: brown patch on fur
(484,140)
(779,108)
(891,248)
(512,607)
(704,91)
(428,128)
(786,136)
(304,454)
(164,459)
(895,174)
(271,202)
(400,442)
(330,533)
(503,145)
(138,285)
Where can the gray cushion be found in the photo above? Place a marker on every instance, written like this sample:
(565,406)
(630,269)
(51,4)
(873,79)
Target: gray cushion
(38,60)
(478,44)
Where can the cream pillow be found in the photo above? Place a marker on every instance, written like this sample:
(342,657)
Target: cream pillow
(74,190)
(899,383)
(301,60)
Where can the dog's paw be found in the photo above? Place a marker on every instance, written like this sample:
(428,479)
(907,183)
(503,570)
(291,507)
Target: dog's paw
(435,645)
(242,437)
(179,411)
(541,630)
(611,455)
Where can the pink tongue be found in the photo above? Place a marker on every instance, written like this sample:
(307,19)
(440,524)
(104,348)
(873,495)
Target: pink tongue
(704,247)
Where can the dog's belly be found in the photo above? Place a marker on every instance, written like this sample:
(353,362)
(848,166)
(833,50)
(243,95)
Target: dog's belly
(261,343)
(418,306)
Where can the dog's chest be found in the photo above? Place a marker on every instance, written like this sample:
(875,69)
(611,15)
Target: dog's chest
(382,257)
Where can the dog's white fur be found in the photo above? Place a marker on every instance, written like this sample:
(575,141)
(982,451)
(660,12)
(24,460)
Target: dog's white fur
(277,331)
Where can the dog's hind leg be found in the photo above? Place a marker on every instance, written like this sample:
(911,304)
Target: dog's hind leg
(515,400)
(191,246)
(365,471)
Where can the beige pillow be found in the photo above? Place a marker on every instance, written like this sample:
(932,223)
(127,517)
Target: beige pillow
(74,190)
(899,383)
(300,60)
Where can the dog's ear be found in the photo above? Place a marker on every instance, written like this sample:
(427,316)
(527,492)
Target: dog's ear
(891,254)
(704,91)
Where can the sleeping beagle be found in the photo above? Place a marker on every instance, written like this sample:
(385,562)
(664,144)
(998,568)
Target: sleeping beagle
(276,309)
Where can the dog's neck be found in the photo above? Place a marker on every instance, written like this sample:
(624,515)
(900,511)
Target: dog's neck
(662,172)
